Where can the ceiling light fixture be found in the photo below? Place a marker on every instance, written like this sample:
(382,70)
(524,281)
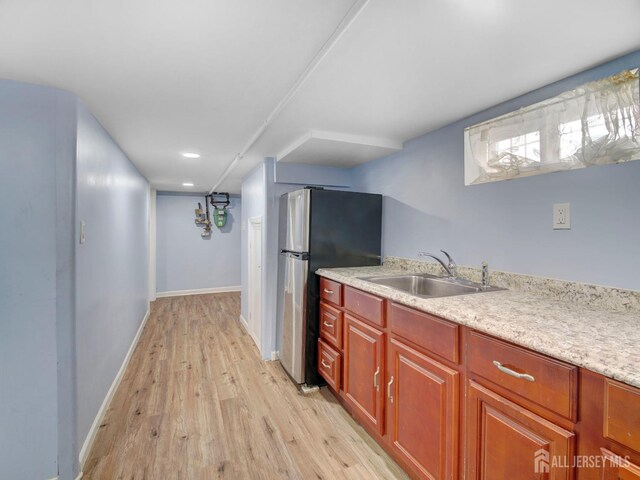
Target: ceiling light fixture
(187,184)
(191,155)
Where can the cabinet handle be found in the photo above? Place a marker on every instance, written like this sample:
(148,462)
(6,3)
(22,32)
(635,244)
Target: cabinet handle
(389,389)
(330,292)
(513,373)
(325,364)
(328,325)
(376,385)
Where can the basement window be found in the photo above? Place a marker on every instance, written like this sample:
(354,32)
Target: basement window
(525,146)
(597,123)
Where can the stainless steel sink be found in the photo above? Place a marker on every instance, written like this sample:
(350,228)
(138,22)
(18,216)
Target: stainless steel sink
(430,286)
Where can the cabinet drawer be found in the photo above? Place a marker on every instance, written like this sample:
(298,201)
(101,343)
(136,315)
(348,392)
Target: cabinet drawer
(547,382)
(331,291)
(622,414)
(365,305)
(329,364)
(434,334)
(331,325)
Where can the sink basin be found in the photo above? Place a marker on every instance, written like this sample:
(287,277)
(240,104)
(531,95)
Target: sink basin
(430,286)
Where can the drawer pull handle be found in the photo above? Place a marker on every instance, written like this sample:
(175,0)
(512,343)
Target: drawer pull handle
(389,389)
(513,373)
(330,292)
(325,364)
(376,385)
(327,324)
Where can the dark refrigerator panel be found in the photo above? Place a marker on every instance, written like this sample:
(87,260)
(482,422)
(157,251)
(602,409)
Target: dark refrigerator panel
(345,231)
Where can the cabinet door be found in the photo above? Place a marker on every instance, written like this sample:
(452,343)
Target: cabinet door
(615,467)
(507,441)
(364,371)
(422,406)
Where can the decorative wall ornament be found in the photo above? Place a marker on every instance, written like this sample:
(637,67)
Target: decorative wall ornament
(597,123)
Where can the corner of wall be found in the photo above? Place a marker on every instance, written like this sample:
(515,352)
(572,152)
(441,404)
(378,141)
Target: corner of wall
(66,197)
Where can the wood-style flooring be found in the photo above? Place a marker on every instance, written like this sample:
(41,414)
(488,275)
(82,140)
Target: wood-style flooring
(197,402)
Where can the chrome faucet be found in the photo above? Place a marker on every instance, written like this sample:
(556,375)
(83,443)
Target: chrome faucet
(451,268)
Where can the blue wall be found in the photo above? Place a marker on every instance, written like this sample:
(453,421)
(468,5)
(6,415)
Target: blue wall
(185,260)
(31,149)
(303,174)
(261,191)
(111,267)
(68,312)
(509,224)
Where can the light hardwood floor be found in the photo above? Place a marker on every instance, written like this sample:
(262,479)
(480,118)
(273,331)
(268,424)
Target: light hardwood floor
(197,402)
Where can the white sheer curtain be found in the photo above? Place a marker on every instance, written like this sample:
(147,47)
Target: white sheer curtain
(595,124)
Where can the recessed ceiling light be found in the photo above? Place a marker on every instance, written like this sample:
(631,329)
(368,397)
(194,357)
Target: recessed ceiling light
(187,184)
(191,155)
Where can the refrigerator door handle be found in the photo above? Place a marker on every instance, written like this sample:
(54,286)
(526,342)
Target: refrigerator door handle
(296,255)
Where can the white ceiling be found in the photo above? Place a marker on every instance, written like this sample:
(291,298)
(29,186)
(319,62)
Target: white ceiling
(336,149)
(166,77)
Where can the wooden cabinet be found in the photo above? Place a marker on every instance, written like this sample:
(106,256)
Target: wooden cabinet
(329,364)
(365,305)
(364,371)
(536,379)
(621,417)
(402,374)
(615,467)
(422,412)
(438,336)
(505,441)
(331,291)
(331,325)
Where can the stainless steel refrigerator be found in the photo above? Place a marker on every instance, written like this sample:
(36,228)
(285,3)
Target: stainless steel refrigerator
(318,229)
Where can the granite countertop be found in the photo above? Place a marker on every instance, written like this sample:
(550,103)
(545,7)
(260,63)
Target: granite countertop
(604,341)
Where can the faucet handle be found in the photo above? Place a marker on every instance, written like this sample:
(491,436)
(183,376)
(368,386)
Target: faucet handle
(485,274)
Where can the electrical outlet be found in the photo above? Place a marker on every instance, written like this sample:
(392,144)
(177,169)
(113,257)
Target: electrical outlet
(83,238)
(562,216)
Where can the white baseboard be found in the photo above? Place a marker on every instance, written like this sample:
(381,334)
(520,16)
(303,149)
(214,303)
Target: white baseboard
(88,442)
(275,356)
(199,291)
(79,477)
(244,323)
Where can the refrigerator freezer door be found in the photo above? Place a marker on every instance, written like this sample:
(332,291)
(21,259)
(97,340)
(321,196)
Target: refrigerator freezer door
(297,224)
(294,298)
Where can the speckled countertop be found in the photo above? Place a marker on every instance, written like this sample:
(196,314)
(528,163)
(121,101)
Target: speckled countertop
(599,339)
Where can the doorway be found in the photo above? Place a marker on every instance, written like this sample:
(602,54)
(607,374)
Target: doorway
(254,322)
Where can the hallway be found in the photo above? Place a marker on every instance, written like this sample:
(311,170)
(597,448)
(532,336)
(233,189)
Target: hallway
(197,402)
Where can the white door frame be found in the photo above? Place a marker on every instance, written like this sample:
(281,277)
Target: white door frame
(152,243)
(254,263)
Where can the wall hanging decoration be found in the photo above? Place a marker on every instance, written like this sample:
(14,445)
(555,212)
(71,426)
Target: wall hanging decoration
(202,218)
(597,123)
